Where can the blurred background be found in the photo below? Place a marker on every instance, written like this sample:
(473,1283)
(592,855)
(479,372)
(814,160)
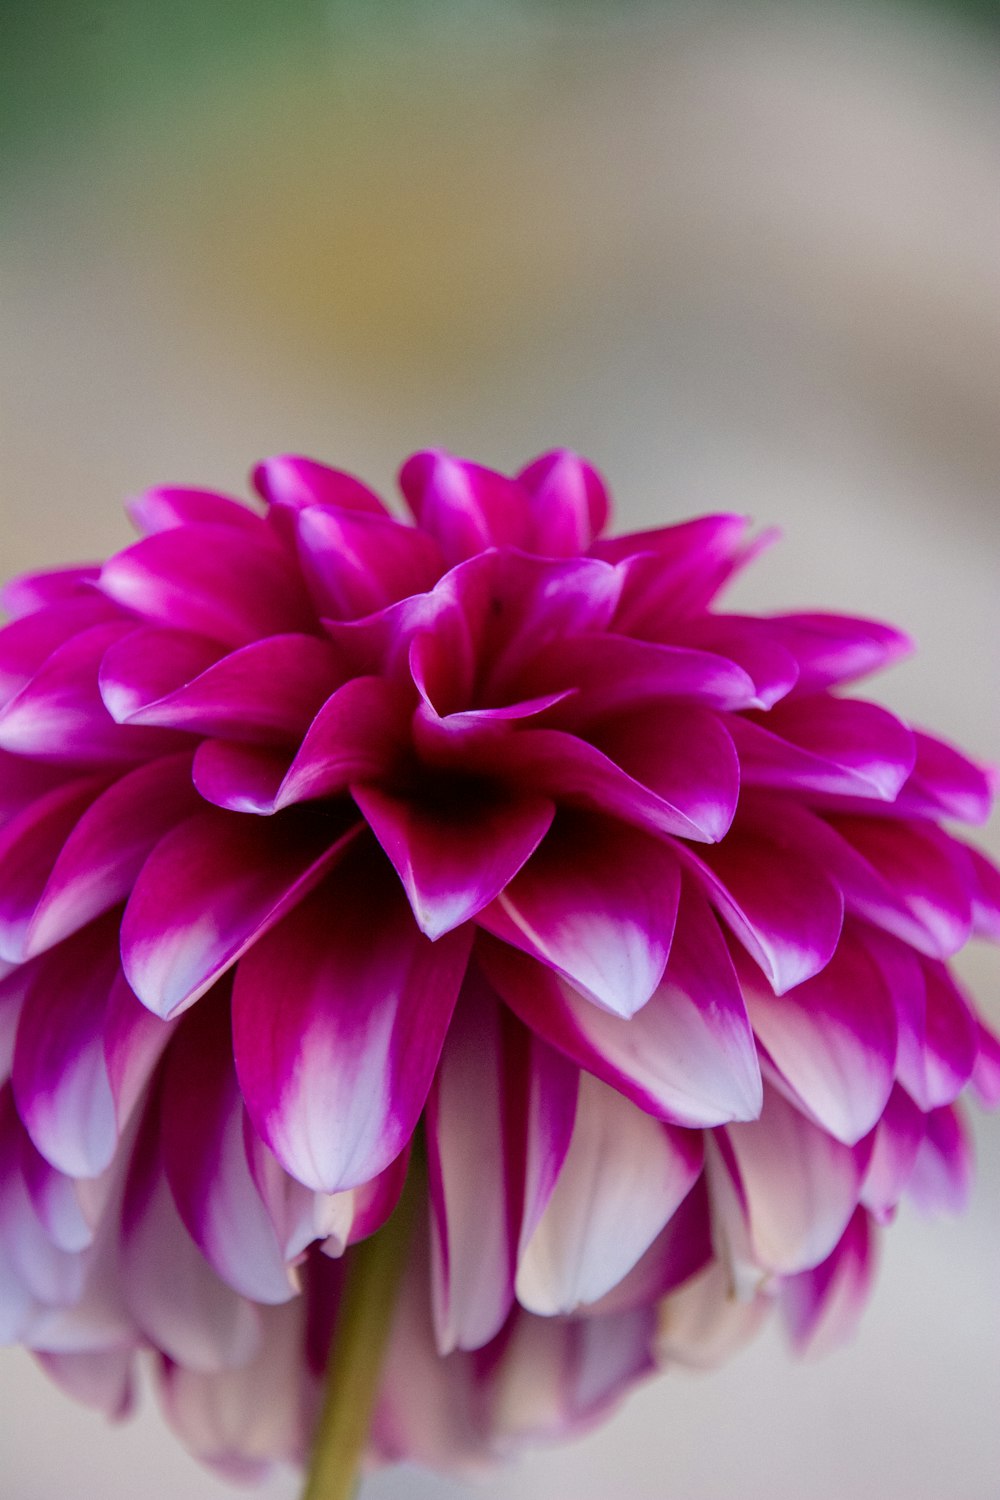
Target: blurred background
(744,258)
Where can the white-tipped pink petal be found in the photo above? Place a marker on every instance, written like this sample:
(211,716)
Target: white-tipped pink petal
(688,1056)
(597,903)
(623,1177)
(29,847)
(820,743)
(205,1158)
(291,483)
(833,1040)
(209,889)
(60,1076)
(215,580)
(465,507)
(356,563)
(336,1076)
(822,1306)
(454,853)
(167,506)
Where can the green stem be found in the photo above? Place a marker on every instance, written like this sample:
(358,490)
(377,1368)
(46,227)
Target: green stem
(357,1349)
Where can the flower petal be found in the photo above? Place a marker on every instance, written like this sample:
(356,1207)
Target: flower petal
(336,1076)
(356,563)
(622,1179)
(597,903)
(167,506)
(29,846)
(210,888)
(569,503)
(687,1056)
(820,743)
(822,1306)
(464,506)
(454,854)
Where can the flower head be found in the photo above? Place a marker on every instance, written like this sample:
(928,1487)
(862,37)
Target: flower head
(323,831)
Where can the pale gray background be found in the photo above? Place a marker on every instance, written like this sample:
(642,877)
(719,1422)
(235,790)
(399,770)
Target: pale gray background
(742,261)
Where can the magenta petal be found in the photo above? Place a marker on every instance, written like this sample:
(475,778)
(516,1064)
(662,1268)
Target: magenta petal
(624,1175)
(134,1042)
(464,506)
(942,1173)
(927,871)
(60,1077)
(743,640)
(984,885)
(801,1186)
(267,691)
(597,903)
(59,716)
(29,846)
(831,648)
(358,734)
(149,663)
(569,503)
(894,1151)
(675,571)
(946,783)
(218,581)
(454,855)
(205,1160)
(26,644)
(833,1039)
(687,1056)
(33,591)
(32,1268)
(168,506)
(105,851)
(56,1201)
(985,1076)
(240,778)
(209,889)
(356,563)
(784,909)
(820,743)
(336,1076)
(292,483)
(22,781)
(822,1306)
(474,1209)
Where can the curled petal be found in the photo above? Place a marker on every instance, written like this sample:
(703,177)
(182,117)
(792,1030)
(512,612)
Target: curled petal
(356,563)
(822,1306)
(825,744)
(290,484)
(464,506)
(568,500)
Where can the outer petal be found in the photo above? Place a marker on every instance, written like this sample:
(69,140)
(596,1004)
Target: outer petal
(290,484)
(454,856)
(357,563)
(928,872)
(465,507)
(168,506)
(336,1076)
(266,692)
(105,851)
(569,503)
(210,889)
(218,581)
(688,1056)
(946,783)
(29,847)
(801,1186)
(622,1179)
(826,744)
(597,903)
(60,1078)
(831,648)
(26,644)
(833,1039)
(206,1161)
(942,1174)
(822,1306)
(784,909)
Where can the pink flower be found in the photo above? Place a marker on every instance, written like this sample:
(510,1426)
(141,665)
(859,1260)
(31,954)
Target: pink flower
(320,828)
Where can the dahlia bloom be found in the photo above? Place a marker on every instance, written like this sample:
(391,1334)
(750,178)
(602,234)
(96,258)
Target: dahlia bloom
(484,853)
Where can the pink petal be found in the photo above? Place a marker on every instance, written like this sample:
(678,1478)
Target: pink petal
(134,1042)
(897,1140)
(219,581)
(33,591)
(942,1174)
(826,744)
(59,716)
(687,1056)
(210,889)
(292,483)
(833,1040)
(26,644)
(676,571)
(168,506)
(102,855)
(205,1159)
(357,563)
(358,734)
(771,667)
(29,847)
(465,507)
(784,909)
(985,894)
(597,903)
(832,649)
(60,1078)
(801,1186)
(623,1177)
(268,691)
(100,1378)
(946,783)
(985,1078)
(568,500)
(336,1076)
(927,871)
(454,853)
(822,1306)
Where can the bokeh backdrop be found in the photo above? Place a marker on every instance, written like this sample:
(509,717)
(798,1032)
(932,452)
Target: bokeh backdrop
(743,258)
